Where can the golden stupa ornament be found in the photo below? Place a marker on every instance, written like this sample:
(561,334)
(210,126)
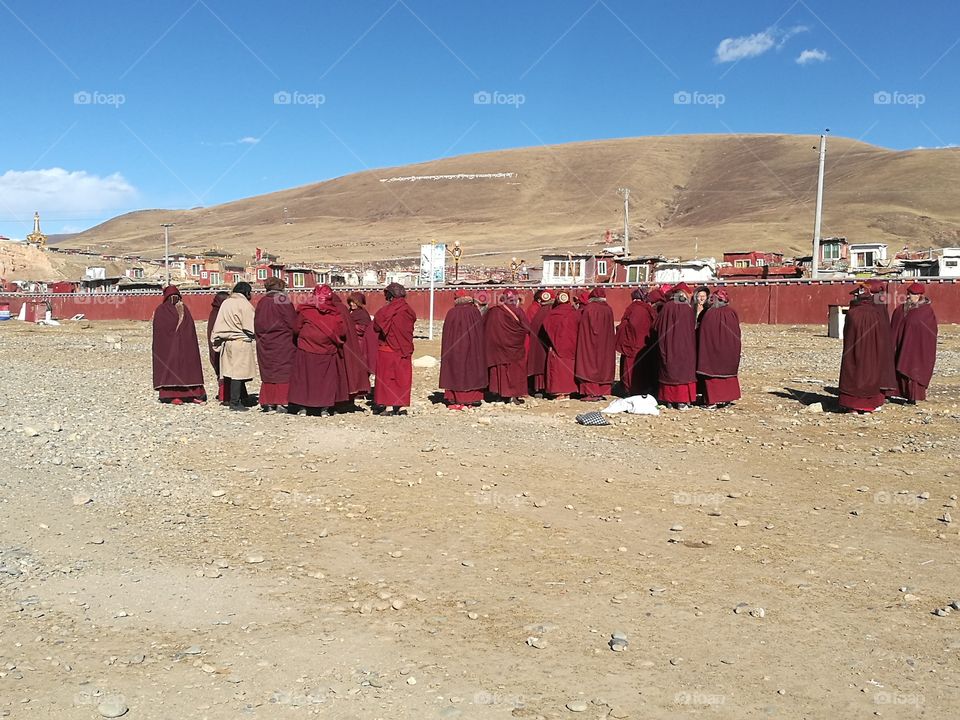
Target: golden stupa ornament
(36,237)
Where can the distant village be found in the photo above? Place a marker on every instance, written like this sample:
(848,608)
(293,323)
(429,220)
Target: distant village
(215,269)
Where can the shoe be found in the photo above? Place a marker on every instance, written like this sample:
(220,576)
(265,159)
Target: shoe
(517,401)
(266,408)
(325,413)
(280,408)
(682,406)
(379,409)
(456,407)
(176,401)
(239,408)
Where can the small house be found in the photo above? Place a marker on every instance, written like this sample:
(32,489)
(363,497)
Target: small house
(866,257)
(688,271)
(949,263)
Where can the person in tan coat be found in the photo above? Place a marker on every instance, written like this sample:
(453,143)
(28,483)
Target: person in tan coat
(233,335)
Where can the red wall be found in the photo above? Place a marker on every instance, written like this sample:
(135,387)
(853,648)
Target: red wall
(775,302)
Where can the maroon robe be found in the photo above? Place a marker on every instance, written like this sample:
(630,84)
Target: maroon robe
(718,353)
(537,348)
(273,326)
(505,331)
(463,364)
(356,378)
(862,370)
(317,374)
(367,337)
(889,382)
(596,362)
(394,324)
(633,339)
(915,331)
(561,327)
(176,353)
(677,351)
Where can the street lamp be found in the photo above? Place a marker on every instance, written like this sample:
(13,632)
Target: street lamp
(166,249)
(457,252)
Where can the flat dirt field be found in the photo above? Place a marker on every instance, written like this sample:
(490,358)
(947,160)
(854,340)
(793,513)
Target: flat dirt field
(764,561)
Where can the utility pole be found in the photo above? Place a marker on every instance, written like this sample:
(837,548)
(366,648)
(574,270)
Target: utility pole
(626,219)
(166,249)
(815,265)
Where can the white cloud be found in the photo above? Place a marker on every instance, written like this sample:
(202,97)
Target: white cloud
(812,56)
(748,46)
(56,190)
(248,140)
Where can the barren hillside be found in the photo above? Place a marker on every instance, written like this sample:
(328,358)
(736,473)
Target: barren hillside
(709,192)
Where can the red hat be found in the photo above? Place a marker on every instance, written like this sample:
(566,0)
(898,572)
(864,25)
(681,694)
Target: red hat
(546,296)
(655,296)
(323,293)
(598,292)
(916,289)
(358,299)
(563,297)
(170,290)
(681,287)
(666,289)
(583,297)
(721,295)
(874,285)
(461,294)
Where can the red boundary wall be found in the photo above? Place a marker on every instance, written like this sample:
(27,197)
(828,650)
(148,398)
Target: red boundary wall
(797,302)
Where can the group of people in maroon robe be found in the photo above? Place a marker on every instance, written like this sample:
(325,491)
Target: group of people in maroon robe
(313,357)
(887,358)
(564,346)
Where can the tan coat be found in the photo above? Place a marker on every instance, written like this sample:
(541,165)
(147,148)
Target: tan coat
(238,361)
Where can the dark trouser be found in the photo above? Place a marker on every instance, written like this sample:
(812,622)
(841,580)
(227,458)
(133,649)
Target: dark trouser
(238,391)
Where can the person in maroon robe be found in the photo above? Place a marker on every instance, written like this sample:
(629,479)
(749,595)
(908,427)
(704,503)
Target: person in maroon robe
(878,296)
(596,362)
(317,374)
(699,301)
(677,349)
(560,327)
(866,338)
(273,325)
(718,351)
(581,299)
(363,326)
(214,355)
(914,328)
(537,344)
(633,343)
(483,302)
(177,370)
(505,330)
(394,324)
(356,379)
(463,365)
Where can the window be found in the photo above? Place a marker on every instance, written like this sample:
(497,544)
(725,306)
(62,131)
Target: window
(138,272)
(567,268)
(761,262)
(195,269)
(741,263)
(950,263)
(277,273)
(830,251)
(601,267)
(864,259)
(214,278)
(636,274)
(298,280)
(261,274)
(203,275)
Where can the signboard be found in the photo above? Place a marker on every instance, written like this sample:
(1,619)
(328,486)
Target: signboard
(439,263)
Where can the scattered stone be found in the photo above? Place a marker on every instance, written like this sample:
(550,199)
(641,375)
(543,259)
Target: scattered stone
(112,706)
(725,477)
(945,518)
(81,499)
(814,408)
(676,528)
(398,604)
(472,615)
(255,559)
(535,642)
(941,612)
(219,493)
(30,432)
(758,612)
(396,554)
(425,361)
(577,706)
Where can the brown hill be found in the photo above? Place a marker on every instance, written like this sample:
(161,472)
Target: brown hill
(712,193)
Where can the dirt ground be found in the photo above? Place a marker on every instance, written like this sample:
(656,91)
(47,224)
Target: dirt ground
(763,561)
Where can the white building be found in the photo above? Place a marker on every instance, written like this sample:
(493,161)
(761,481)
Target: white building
(568,269)
(950,263)
(867,256)
(688,271)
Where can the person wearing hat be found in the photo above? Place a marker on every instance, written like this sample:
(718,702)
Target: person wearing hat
(274,322)
(222,392)
(718,352)
(317,378)
(560,327)
(537,350)
(394,324)
(482,301)
(866,342)
(677,349)
(633,338)
(914,328)
(177,371)
(596,362)
(233,336)
(505,330)
(463,365)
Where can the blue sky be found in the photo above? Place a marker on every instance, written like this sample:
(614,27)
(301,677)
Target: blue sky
(113,105)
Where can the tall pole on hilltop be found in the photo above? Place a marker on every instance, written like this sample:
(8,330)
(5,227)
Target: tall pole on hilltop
(166,249)
(815,266)
(626,219)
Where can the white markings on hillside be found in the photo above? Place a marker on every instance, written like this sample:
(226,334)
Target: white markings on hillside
(459,176)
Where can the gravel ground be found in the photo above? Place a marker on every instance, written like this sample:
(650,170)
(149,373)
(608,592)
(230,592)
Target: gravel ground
(766,560)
